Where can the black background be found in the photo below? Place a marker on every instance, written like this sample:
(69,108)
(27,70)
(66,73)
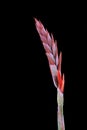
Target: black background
(31,95)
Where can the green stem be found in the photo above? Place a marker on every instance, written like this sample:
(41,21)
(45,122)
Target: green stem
(60,119)
(60,116)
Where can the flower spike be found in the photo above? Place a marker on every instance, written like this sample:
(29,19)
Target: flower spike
(51,50)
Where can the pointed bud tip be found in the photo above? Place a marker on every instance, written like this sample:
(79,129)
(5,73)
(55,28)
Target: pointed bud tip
(35,19)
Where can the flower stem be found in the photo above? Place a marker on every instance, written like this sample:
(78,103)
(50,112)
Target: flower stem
(60,119)
(60,116)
